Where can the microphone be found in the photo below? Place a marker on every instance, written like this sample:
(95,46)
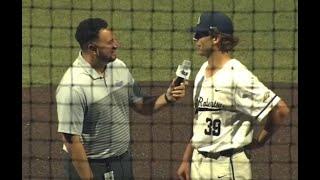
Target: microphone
(183,72)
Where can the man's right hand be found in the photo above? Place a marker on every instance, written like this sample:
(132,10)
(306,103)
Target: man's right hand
(184,171)
(78,155)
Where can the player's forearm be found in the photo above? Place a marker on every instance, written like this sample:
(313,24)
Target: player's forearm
(275,119)
(187,156)
(263,137)
(79,158)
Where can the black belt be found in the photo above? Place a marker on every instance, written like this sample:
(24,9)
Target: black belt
(226,153)
(109,159)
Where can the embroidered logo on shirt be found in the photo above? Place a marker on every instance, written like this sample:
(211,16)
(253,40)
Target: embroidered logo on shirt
(266,96)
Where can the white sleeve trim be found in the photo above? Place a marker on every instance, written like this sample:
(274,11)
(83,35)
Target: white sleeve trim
(268,108)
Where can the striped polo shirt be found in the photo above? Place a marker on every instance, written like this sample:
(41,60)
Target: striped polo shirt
(96,107)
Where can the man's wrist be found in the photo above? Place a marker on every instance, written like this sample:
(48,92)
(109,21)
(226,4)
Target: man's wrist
(167,99)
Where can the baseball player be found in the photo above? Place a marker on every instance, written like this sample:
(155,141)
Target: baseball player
(228,100)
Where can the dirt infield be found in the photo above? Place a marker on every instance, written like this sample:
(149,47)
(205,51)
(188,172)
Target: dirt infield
(158,141)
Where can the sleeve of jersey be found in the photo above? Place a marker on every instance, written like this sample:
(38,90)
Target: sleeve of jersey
(252,97)
(70,110)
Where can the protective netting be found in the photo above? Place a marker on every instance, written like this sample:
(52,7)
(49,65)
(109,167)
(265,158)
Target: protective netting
(154,40)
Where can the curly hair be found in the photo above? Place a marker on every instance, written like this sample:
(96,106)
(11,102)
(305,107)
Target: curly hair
(88,31)
(228,42)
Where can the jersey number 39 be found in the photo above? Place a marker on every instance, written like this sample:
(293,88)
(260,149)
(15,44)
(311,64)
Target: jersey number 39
(213,127)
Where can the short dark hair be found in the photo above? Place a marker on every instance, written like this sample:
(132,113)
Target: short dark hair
(88,30)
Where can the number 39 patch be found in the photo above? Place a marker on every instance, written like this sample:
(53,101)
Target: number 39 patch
(213,127)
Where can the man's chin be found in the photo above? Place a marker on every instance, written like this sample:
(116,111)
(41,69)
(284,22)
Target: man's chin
(109,60)
(205,54)
(200,53)
(113,58)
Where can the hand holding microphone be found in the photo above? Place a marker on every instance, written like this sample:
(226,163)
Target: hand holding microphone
(177,88)
(183,72)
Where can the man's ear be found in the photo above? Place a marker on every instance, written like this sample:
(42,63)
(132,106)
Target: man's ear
(216,39)
(92,47)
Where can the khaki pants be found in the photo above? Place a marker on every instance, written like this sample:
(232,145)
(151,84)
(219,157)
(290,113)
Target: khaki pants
(235,167)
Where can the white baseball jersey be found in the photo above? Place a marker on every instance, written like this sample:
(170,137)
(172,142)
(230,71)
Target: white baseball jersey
(226,105)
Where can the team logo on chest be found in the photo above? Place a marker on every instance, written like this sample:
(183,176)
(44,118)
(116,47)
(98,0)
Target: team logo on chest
(207,105)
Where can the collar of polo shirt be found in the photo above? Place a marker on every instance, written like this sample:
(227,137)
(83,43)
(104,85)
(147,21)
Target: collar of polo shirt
(87,67)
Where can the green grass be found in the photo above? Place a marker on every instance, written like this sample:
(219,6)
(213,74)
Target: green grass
(42,65)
